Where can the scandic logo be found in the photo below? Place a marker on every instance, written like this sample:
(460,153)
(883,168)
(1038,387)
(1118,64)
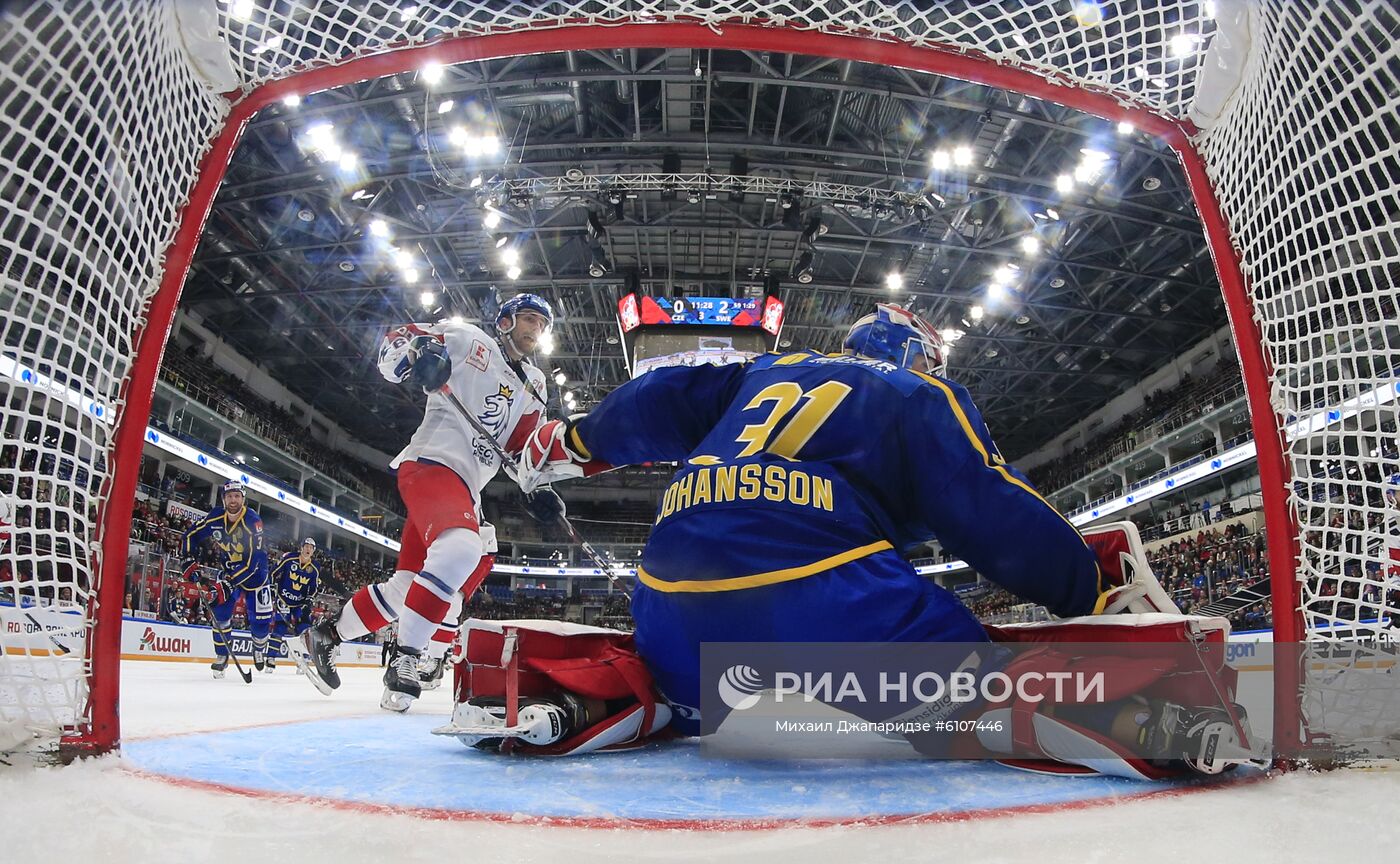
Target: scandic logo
(163,644)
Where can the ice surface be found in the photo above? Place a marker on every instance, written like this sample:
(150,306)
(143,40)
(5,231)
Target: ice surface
(105,811)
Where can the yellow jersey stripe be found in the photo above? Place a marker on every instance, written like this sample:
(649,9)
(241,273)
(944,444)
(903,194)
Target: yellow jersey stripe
(758,580)
(995,464)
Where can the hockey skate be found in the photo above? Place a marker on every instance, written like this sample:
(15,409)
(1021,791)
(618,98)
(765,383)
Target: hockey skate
(430,672)
(401,686)
(270,665)
(320,643)
(1205,739)
(219,665)
(259,659)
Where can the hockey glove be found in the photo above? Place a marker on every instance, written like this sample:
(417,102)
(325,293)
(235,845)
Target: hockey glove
(219,592)
(545,505)
(548,456)
(189,570)
(432,367)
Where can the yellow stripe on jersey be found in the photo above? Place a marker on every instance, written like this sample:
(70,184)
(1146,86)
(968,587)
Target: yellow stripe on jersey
(996,463)
(758,580)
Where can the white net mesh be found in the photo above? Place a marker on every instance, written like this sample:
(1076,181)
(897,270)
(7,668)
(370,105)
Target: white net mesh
(101,129)
(104,124)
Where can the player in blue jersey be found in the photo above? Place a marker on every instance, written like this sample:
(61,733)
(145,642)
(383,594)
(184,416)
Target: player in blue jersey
(235,534)
(805,480)
(295,580)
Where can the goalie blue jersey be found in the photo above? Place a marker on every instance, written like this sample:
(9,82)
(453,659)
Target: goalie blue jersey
(797,464)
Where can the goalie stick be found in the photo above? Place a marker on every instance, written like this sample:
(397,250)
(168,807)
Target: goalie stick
(509,464)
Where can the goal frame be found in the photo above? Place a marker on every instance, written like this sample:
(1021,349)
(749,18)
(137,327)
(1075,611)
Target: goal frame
(114,517)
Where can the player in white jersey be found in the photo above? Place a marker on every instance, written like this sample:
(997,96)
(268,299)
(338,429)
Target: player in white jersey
(440,475)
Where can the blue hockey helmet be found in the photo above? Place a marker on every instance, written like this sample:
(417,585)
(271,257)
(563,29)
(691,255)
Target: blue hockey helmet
(894,334)
(1392,490)
(234,486)
(524,303)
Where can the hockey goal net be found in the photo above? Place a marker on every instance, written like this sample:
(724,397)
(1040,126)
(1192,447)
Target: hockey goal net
(119,117)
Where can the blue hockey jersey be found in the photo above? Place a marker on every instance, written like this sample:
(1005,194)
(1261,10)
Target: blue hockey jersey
(239,543)
(798,463)
(295,584)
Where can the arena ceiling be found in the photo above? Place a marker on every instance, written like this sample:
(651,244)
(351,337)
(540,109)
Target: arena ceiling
(1075,241)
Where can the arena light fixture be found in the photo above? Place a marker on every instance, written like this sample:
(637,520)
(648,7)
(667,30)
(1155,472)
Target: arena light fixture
(941,160)
(510,256)
(962,155)
(427,299)
(894,280)
(291,100)
(445,105)
(410,275)
(431,73)
(560,378)
(492,219)
(1030,245)
(977,312)
(1126,128)
(241,10)
(513,272)
(379,228)
(1064,183)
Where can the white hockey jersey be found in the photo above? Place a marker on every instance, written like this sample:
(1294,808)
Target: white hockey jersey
(492,389)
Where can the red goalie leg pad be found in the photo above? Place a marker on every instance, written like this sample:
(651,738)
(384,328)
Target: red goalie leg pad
(549,656)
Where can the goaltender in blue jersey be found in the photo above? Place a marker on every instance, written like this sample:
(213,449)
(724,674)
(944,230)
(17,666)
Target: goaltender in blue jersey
(805,481)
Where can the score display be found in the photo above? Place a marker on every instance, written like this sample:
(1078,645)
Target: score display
(634,311)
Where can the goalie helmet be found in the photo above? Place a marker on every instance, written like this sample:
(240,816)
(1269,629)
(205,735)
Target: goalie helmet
(895,334)
(524,303)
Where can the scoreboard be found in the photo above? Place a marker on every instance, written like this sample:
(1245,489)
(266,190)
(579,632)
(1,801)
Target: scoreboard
(634,311)
(673,331)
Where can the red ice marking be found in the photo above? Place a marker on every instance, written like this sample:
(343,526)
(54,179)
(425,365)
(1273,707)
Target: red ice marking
(437,814)
(240,727)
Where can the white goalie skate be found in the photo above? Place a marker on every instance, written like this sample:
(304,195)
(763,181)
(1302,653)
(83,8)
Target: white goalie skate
(538,722)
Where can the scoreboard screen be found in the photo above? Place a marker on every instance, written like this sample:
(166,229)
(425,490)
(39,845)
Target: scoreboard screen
(634,311)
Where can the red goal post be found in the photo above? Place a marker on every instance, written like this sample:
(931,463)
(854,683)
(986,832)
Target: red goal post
(121,117)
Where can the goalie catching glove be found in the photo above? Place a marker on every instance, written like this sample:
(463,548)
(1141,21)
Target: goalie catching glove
(553,452)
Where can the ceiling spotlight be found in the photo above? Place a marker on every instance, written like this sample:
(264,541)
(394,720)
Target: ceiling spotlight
(560,378)
(1023,319)
(513,272)
(574,174)
(456,319)
(614,196)
(427,299)
(347,161)
(510,256)
(977,312)
(241,10)
(306,215)
(347,266)
(1064,183)
(459,136)
(596,269)
(431,73)
(379,228)
(403,258)
(291,100)
(962,155)
(410,275)
(1057,282)
(568,395)
(1126,128)
(476,182)
(1030,245)
(940,160)
(786,201)
(1052,213)
(804,269)
(1151,184)
(546,343)
(492,219)
(445,105)
(894,281)
(692,196)
(501,239)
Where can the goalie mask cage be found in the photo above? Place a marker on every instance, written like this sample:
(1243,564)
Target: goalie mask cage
(120,116)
